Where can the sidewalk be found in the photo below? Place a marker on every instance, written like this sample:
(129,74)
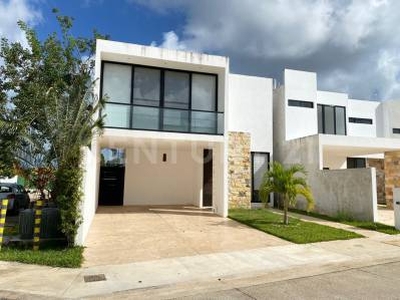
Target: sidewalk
(174,277)
(364,232)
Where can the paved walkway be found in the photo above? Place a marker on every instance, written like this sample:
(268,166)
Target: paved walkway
(385,216)
(139,233)
(364,232)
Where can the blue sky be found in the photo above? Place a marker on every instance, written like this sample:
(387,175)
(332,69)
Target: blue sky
(123,21)
(353,45)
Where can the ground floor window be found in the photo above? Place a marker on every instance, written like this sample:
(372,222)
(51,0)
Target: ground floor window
(259,165)
(356,162)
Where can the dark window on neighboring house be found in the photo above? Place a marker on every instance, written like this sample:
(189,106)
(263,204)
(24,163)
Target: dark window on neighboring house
(360,120)
(396,130)
(300,103)
(331,119)
(259,165)
(356,162)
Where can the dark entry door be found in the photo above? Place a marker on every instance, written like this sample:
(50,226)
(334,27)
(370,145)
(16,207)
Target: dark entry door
(111,190)
(207,177)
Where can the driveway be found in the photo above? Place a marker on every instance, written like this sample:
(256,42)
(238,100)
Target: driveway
(126,234)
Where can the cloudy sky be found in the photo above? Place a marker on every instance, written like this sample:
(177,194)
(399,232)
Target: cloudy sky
(353,45)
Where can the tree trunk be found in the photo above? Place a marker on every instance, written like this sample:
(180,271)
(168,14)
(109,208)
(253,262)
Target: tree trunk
(285,211)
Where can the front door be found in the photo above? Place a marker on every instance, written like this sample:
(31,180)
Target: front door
(207,177)
(112,176)
(111,185)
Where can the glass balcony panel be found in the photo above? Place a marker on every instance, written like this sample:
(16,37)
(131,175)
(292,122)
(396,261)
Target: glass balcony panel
(145,117)
(204,122)
(117,115)
(221,123)
(176,120)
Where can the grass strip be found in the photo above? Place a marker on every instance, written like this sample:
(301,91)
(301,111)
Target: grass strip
(375,226)
(299,232)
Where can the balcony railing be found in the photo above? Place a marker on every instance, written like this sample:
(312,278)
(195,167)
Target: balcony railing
(127,116)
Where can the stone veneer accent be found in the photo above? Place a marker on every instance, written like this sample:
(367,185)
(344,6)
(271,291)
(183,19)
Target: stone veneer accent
(379,165)
(392,175)
(239,170)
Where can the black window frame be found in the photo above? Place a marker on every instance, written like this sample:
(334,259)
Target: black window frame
(300,103)
(396,130)
(334,117)
(356,120)
(161,106)
(253,153)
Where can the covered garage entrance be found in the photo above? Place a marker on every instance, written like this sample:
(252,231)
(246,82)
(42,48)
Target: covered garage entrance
(160,171)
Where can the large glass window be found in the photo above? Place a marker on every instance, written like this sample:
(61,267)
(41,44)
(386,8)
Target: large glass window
(146,86)
(340,120)
(160,99)
(331,119)
(260,163)
(203,92)
(117,82)
(176,90)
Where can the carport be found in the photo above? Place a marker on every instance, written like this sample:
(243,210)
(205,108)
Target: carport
(126,234)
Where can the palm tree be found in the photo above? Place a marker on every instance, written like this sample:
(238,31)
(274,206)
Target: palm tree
(284,181)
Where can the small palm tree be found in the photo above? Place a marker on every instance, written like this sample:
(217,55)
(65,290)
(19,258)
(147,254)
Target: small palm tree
(284,181)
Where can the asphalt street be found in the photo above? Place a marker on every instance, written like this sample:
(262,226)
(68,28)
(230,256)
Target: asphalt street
(374,282)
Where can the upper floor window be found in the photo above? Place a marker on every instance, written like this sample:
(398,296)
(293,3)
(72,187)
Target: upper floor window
(360,120)
(301,103)
(331,119)
(159,99)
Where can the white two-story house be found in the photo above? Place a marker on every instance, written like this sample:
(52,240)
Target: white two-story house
(180,129)
(350,147)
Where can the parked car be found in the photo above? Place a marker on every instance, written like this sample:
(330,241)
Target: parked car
(17,196)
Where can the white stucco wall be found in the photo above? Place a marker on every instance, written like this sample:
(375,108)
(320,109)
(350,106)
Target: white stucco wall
(388,117)
(349,192)
(335,191)
(89,203)
(362,109)
(150,181)
(250,109)
(332,98)
(300,121)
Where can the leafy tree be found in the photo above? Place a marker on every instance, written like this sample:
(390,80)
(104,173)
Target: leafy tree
(284,181)
(49,109)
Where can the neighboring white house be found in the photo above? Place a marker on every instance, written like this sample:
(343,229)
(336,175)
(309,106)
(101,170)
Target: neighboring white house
(348,146)
(180,129)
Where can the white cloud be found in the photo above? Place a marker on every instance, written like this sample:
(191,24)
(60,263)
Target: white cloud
(352,44)
(11,11)
(171,41)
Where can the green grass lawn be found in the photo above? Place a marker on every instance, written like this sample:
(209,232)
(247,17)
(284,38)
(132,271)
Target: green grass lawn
(297,231)
(375,226)
(51,256)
